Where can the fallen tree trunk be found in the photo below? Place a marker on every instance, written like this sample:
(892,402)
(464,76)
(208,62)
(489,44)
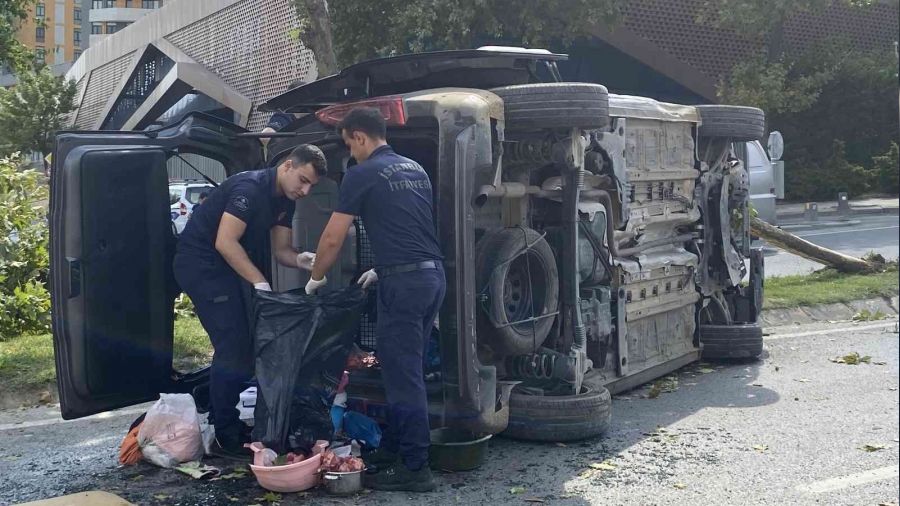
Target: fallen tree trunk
(793,244)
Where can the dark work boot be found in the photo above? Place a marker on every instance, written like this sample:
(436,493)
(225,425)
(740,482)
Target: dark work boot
(380,457)
(231,447)
(398,477)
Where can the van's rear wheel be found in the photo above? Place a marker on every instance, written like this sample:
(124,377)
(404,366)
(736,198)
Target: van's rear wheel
(738,123)
(561,418)
(518,276)
(554,105)
(741,340)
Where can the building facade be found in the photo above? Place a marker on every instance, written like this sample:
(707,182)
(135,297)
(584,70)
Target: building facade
(110,16)
(59,31)
(228,56)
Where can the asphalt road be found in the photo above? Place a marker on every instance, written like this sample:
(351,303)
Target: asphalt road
(857,237)
(787,429)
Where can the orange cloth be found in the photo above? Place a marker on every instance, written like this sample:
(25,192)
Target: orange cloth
(130,450)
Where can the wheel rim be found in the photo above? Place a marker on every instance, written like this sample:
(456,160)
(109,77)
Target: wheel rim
(521,299)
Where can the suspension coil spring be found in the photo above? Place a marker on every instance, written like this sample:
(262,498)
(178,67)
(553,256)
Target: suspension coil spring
(530,150)
(533,365)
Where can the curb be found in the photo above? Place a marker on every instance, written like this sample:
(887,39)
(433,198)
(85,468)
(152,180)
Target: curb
(28,397)
(828,312)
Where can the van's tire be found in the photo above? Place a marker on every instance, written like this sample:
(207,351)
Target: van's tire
(561,418)
(554,105)
(736,122)
(510,297)
(741,340)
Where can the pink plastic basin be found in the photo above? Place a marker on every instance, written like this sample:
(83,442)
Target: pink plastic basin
(291,478)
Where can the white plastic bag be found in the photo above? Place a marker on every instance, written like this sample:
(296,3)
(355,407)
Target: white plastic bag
(170,433)
(208,435)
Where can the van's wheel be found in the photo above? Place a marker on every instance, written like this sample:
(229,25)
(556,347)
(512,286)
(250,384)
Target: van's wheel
(518,278)
(736,122)
(740,340)
(554,105)
(561,418)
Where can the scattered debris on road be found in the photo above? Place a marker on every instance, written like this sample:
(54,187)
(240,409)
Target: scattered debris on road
(852,359)
(872,447)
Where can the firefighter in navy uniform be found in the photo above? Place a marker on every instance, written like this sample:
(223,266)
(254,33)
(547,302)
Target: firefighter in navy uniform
(392,194)
(213,260)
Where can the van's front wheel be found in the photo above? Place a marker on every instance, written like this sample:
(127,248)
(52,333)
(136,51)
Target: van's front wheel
(560,418)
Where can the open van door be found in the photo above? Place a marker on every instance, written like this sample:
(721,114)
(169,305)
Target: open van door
(111,250)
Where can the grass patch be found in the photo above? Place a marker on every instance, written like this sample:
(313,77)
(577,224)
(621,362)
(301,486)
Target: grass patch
(26,362)
(828,286)
(192,348)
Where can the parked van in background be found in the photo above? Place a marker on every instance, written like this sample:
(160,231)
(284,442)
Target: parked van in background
(766,174)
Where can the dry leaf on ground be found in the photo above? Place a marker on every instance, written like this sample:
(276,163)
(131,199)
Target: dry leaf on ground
(852,359)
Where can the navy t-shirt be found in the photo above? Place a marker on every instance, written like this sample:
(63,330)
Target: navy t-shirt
(249,196)
(392,195)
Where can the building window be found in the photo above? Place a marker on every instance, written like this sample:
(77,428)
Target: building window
(103,4)
(112,27)
(39,34)
(96,28)
(128,3)
(77,36)
(77,53)
(40,55)
(150,4)
(39,10)
(77,14)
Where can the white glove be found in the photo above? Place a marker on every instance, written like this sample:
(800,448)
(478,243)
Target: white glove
(306,261)
(367,278)
(263,287)
(314,285)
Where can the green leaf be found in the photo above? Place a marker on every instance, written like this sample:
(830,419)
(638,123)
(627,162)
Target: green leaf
(872,447)
(517,490)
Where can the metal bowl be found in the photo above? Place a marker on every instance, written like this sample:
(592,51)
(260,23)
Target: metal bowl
(456,450)
(343,483)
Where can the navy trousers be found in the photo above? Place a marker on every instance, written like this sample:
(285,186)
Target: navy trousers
(407,306)
(216,292)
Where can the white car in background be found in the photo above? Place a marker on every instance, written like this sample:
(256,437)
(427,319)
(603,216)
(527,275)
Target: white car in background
(183,196)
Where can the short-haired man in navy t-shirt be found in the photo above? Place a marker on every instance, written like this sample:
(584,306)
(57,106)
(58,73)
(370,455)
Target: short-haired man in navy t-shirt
(214,257)
(393,196)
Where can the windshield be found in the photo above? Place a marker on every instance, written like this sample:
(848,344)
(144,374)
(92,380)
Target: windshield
(175,195)
(193,194)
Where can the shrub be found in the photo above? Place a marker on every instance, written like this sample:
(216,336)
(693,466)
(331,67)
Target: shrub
(24,257)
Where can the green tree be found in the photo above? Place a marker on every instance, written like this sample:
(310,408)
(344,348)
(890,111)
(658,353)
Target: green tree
(887,170)
(33,110)
(12,53)
(365,29)
(24,258)
(835,104)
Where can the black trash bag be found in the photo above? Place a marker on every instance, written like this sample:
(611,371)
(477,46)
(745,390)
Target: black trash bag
(300,342)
